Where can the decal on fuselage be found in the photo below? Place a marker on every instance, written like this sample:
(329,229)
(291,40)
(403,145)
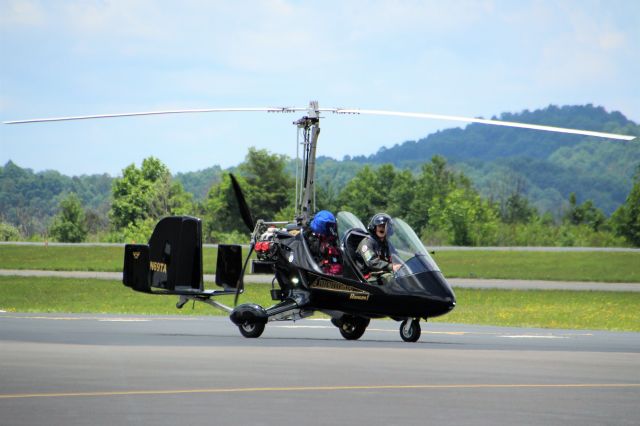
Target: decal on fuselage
(356,296)
(158,267)
(354,292)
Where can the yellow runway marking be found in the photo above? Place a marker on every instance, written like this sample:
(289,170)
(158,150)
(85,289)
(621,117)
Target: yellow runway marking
(320,389)
(100,319)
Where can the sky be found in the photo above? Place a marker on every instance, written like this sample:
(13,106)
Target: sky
(468,58)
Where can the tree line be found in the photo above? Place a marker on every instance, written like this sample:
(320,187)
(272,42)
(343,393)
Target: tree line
(441,204)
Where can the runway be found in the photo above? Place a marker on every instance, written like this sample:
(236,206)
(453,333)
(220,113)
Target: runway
(119,370)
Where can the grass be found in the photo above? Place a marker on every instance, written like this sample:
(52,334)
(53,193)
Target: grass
(518,308)
(72,295)
(530,265)
(76,258)
(593,310)
(558,266)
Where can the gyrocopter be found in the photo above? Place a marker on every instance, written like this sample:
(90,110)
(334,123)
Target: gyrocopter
(312,258)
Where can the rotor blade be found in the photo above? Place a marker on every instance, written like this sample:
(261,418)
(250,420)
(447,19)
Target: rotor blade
(481,121)
(242,204)
(313,109)
(175,111)
(240,283)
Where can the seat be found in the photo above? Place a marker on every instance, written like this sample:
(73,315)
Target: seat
(350,244)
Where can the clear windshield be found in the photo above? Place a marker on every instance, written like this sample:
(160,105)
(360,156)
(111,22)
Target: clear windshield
(409,250)
(346,221)
(406,247)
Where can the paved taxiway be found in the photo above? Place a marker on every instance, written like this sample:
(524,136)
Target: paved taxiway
(59,369)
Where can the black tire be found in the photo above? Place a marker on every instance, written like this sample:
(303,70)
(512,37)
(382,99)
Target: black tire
(352,328)
(410,330)
(251,329)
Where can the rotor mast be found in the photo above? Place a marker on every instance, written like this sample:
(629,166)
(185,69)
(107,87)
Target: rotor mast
(309,125)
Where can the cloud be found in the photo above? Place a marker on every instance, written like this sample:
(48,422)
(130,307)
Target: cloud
(21,13)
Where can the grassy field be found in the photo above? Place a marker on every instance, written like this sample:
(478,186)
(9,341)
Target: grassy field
(560,266)
(529,265)
(546,309)
(76,258)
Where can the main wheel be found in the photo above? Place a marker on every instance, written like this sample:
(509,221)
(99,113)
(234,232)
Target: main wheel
(352,328)
(410,330)
(251,329)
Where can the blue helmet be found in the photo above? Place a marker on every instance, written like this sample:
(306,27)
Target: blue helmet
(324,223)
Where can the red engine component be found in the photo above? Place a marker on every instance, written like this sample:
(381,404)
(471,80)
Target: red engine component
(331,263)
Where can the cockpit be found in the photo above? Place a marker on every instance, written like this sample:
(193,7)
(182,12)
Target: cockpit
(406,248)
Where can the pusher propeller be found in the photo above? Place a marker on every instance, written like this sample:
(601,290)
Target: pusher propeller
(248,220)
(242,203)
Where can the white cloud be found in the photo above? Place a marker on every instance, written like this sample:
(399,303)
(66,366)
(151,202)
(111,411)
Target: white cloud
(612,40)
(21,13)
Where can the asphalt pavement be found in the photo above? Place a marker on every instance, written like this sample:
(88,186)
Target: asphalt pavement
(150,370)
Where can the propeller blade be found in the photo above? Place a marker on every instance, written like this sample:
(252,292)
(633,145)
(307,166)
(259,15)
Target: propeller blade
(240,284)
(481,121)
(242,204)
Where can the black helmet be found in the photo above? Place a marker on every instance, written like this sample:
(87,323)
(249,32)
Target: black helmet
(380,219)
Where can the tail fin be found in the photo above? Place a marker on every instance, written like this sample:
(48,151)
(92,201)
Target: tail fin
(172,260)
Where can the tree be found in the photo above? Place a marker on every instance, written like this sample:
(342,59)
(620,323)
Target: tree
(626,219)
(368,192)
(69,224)
(96,221)
(586,213)
(467,219)
(517,209)
(9,232)
(434,183)
(402,194)
(147,193)
(270,189)
(267,188)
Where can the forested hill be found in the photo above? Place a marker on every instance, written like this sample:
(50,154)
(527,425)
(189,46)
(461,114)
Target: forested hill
(547,165)
(29,199)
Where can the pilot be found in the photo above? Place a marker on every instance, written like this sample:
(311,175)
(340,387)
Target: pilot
(374,253)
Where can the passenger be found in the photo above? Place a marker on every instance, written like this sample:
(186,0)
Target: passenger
(374,253)
(323,243)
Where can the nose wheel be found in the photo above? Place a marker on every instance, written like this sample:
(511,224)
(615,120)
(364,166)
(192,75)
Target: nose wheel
(410,330)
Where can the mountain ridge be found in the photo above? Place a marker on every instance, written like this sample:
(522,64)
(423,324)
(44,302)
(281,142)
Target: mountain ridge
(595,169)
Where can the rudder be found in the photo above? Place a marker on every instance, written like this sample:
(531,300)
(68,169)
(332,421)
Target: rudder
(172,260)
